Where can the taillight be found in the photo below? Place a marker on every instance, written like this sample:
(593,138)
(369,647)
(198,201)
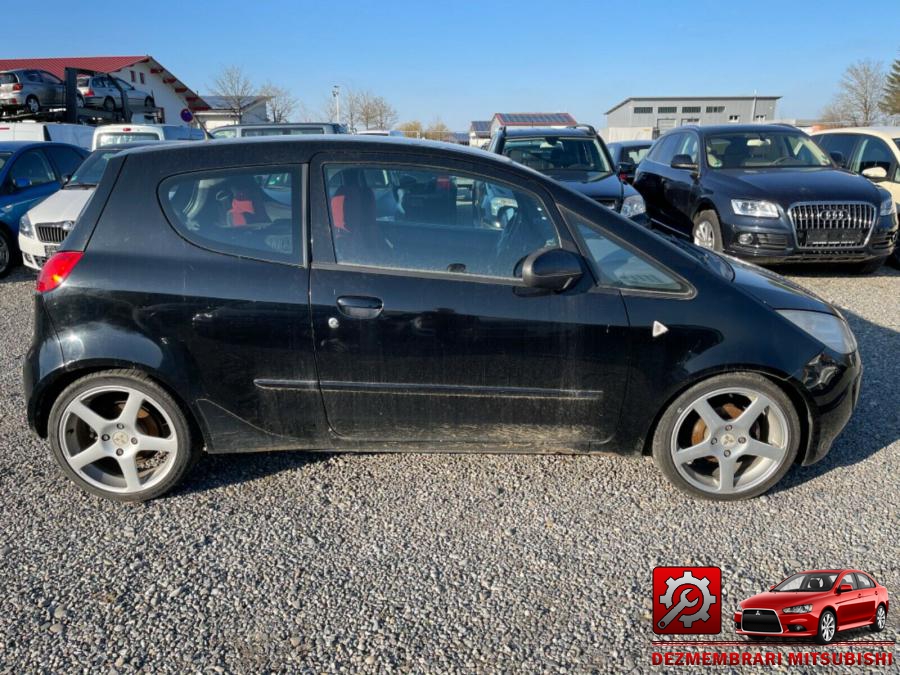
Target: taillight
(89,92)
(57,269)
(17,87)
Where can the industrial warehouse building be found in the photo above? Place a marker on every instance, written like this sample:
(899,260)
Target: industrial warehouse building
(639,117)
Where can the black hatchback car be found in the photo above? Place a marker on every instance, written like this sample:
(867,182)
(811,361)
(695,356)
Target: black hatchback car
(768,193)
(575,156)
(343,294)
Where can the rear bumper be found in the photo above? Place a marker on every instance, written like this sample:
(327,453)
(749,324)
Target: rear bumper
(42,366)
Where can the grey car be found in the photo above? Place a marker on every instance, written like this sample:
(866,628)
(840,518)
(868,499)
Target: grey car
(100,91)
(30,91)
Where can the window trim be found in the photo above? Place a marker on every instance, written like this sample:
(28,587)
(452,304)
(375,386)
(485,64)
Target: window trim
(297,258)
(320,165)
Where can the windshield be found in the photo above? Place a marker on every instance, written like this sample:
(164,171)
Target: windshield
(557,154)
(118,138)
(763,149)
(811,582)
(90,171)
(3,157)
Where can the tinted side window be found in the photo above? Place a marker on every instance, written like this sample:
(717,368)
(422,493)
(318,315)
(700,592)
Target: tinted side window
(66,160)
(417,218)
(842,143)
(864,581)
(872,153)
(664,150)
(223,133)
(247,212)
(33,167)
(688,146)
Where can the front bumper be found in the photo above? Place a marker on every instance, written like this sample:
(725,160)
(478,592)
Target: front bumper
(775,241)
(792,625)
(34,252)
(831,384)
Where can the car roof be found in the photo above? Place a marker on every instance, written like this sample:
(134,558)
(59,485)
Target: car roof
(632,143)
(268,125)
(888,132)
(733,128)
(14,146)
(527,132)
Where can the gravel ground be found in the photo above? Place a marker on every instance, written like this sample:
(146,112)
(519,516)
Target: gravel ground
(423,563)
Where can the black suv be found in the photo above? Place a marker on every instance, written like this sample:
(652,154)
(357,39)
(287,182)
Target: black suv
(767,193)
(578,158)
(341,293)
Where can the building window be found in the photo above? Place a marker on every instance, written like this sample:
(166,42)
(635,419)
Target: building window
(667,109)
(643,110)
(690,120)
(690,108)
(734,118)
(760,118)
(715,108)
(132,75)
(142,77)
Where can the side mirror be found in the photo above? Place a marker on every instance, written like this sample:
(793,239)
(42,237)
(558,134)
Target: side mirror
(875,173)
(845,588)
(21,183)
(683,162)
(66,178)
(837,158)
(554,269)
(626,169)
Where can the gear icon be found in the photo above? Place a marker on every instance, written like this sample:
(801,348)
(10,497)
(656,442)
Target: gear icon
(688,579)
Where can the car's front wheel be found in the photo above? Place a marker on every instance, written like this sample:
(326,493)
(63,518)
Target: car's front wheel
(707,231)
(729,437)
(32,105)
(7,253)
(120,435)
(827,628)
(880,620)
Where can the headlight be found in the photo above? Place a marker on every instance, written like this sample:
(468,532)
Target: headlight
(797,609)
(830,330)
(25,227)
(888,207)
(633,206)
(754,208)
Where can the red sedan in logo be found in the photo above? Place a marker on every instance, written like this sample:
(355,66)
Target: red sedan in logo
(815,604)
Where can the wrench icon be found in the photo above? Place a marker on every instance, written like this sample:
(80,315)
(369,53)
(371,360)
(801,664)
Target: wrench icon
(676,610)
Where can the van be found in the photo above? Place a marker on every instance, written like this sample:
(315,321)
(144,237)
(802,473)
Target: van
(298,129)
(74,134)
(113,134)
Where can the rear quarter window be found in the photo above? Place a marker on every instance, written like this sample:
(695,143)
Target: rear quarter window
(249,212)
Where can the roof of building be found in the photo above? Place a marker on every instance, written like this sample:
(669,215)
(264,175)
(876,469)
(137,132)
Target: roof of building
(532,119)
(105,64)
(220,103)
(690,98)
(481,128)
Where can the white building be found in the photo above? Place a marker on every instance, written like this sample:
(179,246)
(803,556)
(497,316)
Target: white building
(221,111)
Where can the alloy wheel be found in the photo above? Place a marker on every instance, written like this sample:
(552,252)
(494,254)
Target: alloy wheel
(880,618)
(827,627)
(730,440)
(33,105)
(118,439)
(704,235)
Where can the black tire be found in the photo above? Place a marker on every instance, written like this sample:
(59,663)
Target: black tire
(149,103)
(187,452)
(665,429)
(869,266)
(109,105)
(32,105)
(824,639)
(710,218)
(9,252)
(879,624)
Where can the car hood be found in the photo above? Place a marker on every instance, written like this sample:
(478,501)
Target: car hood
(770,600)
(775,290)
(789,186)
(62,205)
(607,187)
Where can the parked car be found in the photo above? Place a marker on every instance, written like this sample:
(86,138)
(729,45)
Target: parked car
(767,193)
(29,172)
(115,134)
(100,91)
(626,155)
(27,90)
(76,134)
(873,152)
(815,604)
(45,227)
(575,156)
(291,129)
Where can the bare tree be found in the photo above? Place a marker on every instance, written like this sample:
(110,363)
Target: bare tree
(235,88)
(411,129)
(282,105)
(438,131)
(385,113)
(860,92)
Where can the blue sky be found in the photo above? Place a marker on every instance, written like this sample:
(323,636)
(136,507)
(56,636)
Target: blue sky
(466,60)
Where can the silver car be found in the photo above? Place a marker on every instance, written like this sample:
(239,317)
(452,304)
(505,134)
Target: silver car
(99,91)
(30,90)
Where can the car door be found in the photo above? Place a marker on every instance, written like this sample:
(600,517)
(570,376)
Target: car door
(650,176)
(56,90)
(681,186)
(849,603)
(31,178)
(423,328)
(868,597)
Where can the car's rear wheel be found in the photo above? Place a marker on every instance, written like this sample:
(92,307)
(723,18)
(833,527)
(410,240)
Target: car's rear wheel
(120,435)
(880,620)
(109,105)
(729,437)
(827,628)
(707,231)
(32,105)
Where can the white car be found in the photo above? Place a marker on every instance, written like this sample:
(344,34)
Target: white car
(117,134)
(43,228)
(100,91)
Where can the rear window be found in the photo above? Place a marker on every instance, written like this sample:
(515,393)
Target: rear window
(8,78)
(129,137)
(244,212)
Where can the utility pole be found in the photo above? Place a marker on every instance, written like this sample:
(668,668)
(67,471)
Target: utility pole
(336,93)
